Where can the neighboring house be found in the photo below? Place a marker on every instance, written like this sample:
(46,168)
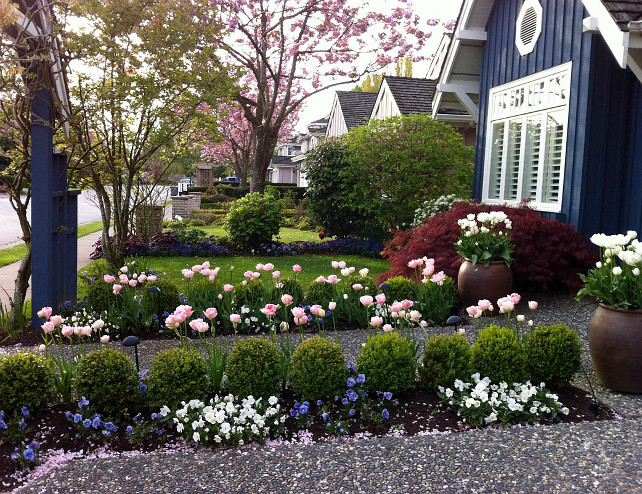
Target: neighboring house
(286,167)
(349,109)
(555,86)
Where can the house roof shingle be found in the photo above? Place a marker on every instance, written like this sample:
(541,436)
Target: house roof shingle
(624,11)
(356,107)
(281,160)
(412,95)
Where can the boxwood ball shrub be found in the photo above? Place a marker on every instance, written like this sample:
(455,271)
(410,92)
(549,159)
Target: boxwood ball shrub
(291,287)
(166,300)
(446,358)
(401,289)
(25,381)
(253,368)
(100,296)
(254,219)
(498,354)
(368,283)
(250,294)
(320,293)
(108,379)
(388,362)
(318,369)
(176,375)
(552,355)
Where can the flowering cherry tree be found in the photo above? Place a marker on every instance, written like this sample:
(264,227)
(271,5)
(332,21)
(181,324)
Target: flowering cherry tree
(288,46)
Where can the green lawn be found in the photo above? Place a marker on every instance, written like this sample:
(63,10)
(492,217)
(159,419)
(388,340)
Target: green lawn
(13,254)
(286,235)
(312,267)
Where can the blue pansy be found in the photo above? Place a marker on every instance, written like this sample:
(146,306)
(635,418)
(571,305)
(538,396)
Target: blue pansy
(129,429)
(29,455)
(319,403)
(106,433)
(77,418)
(83,402)
(361,378)
(351,382)
(387,395)
(385,414)
(86,423)
(23,424)
(25,411)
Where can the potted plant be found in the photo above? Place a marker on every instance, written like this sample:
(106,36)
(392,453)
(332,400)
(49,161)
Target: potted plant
(615,332)
(486,247)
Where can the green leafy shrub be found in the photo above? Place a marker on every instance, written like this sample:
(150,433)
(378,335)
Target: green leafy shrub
(291,287)
(446,358)
(253,368)
(176,375)
(253,219)
(165,301)
(250,294)
(437,302)
(100,296)
(25,381)
(552,355)
(401,289)
(108,379)
(321,293)
(388,362)
(499,355)
(368,283)
(318,369)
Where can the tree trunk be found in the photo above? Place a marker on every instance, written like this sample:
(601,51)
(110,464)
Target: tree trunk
(16,316)
(265,143)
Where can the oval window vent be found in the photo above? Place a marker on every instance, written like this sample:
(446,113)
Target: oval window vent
(529,26)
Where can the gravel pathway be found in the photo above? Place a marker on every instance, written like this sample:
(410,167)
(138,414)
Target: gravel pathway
(588,457)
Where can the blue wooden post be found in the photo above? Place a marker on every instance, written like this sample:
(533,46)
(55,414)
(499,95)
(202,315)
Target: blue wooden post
(43,283)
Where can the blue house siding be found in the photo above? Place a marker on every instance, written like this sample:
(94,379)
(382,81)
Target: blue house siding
(561,41)
(612,192)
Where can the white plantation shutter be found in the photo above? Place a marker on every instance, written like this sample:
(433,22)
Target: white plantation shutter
(554,152)
(531,157)
(511,188)
(496,161)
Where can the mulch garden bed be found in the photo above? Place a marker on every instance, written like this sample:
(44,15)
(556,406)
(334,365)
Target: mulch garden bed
(417,412)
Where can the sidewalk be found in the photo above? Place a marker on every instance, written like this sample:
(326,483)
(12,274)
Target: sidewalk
(9,272)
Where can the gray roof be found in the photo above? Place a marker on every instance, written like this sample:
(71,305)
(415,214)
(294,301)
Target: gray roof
(356,107)
(624,11)
(282,160)
(412,95)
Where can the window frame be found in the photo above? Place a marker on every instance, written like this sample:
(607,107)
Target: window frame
(522,116)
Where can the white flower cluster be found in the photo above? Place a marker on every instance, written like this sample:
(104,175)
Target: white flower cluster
(625,247)
(482,402)
(483,223)
(83,318)
(225,421)
(430,208)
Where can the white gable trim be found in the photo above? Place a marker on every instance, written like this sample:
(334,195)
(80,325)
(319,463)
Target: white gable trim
(384,90)
(336,121)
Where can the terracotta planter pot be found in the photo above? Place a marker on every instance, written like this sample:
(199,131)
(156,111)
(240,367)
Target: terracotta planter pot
(615,342)
(476,282)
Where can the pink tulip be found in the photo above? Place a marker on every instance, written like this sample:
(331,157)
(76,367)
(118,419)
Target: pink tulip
(68,331)
(109,278)
(396,306)
(279,286)
(215,271)
(45,312)
(205,272)
(423,324)
(315,309)
(286,299)
(117,288)
(438,278)
(152,278)
(171,322)
(332,279)
(259,267)
(268,267)
(196,268)
(220,296)
(298,312)
(42,348)
(124,269)
(303,320)
(98,324)
(284,326)
(381,298)
(387,328)
(206,265)
(270,310)
(366,300)
(406,304)
(133,283)
(276,275)
(335,264)
(211,313)
(86,331)
(516,297)
(342,264)
(187,309)
(428,270)
(48,327)
(56,320)
(296,268)
(461,331)
(321,279)
(412,264)
(484,304)
(345,272)
(394,314)
(235,318)
(332,305)
(199,325)
(228,288)
(244,282)
(104,339)
(189,274)
(123,279)
(420,262)
(142,278)
(212,277)
(364,272)
(376,321)
(256,275)
(415,315)
(248,274)
(532,305)
(352,269)
(472,310)
(357,286)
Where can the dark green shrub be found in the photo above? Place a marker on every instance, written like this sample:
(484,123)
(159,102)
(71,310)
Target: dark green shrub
(319,292)
(253,368)
(165,301)
(401,289)
(437,302)
(249,294)
(388,362)
(552,355)
(291,287)
(176,375)
(254,219)
(446,358)
(499,355)
(318,369)
(26,380)
(108,379)
(100,296)
(368,283)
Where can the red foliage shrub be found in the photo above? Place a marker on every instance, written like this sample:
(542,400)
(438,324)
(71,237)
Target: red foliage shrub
(548,254)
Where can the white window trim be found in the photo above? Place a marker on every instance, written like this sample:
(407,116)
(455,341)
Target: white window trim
(525,49)
(523,117)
